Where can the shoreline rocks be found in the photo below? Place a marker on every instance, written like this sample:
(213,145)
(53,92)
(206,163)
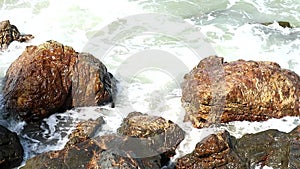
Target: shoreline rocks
(52,78)
(84,131)
(10,33)
(244,90)
(11,150)
(115,151)
(156,135)
(270,148)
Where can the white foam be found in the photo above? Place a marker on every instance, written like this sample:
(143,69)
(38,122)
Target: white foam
(72,23)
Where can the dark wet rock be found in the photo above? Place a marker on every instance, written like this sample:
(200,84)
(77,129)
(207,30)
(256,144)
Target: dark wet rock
(123,152)
(101,152)
(52,78)
(268,148)
(81,156)
(11,150)
(112,151)
(216,91)
(10,33)
(214,151)
(85,130)
(283,24)
(157,135)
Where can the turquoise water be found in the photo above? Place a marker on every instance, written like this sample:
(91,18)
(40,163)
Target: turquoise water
(229,28)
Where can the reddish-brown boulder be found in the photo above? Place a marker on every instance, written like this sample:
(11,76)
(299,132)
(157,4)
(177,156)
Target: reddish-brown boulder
(52,78)
(216,91)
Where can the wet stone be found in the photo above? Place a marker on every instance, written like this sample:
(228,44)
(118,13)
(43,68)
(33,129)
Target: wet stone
(52,78)
(10,33)
(11,150)
(112,151)
(268,148)
(85,130)
(156,134)
(217,91)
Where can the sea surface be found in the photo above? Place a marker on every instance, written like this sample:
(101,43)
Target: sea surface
(149,45)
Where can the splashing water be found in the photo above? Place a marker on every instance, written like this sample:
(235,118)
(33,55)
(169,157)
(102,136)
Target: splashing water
(232,28)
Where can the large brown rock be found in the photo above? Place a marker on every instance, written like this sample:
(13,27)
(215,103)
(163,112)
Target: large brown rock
(11,150)
(144,150)
(52,78)
(10,33)
(216,91)
(268,148)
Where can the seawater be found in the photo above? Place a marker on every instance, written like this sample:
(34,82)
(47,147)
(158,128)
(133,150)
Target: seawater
(231,27)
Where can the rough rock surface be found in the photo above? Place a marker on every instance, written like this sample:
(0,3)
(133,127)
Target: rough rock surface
(216,91)
(51,78)
(11,150)
(84,131)
(92,153)
(10,33)
(268,148)
(157,135)
(91,83)
(108,151)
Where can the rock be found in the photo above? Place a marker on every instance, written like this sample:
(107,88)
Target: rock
(283,24)
(91,83)
(113,151)
(157,135)
(10,33)
(121,153)
(52,78)
(39,82)
(11,150)
(268,148)
(101,152)
(214,151)
(81,156)
(216,91)
(85,130)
